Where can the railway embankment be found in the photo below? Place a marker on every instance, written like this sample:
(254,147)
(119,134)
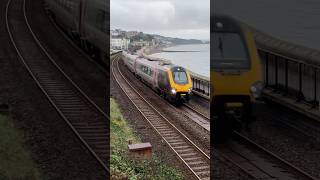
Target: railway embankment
(121,165)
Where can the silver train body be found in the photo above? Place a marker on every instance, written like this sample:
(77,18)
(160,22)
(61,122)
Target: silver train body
(171,81)
(86,21)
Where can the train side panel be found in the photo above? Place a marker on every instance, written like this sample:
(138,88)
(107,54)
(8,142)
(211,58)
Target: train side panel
(65,13)
(130,61)
(95,27)
(145,71)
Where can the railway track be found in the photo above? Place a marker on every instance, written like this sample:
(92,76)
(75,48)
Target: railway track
(257,162)
(191,113)
(84,117)
(199,117)
(193,157)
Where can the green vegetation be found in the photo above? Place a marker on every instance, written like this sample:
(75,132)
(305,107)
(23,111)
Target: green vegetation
(121,165)
(15,161)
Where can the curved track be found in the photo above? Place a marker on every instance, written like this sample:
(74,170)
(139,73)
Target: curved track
(257,162)
(191,113)
(83,116)
(193,157)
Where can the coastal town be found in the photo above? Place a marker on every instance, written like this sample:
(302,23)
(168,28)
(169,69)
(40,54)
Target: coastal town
(132,40)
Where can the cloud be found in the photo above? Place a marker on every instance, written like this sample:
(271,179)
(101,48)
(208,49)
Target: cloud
(179,18)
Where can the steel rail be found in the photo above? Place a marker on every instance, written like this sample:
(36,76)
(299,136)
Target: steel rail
(289,171)
(197,111)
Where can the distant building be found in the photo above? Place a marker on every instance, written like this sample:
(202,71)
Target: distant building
(117,33)
(140,43)
(132,33)
(119,43)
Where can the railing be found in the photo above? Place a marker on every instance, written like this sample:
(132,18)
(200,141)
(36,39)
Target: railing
(290,69)
(200,85)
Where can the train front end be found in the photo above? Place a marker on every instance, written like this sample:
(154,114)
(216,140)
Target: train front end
(181,84)
(235,71)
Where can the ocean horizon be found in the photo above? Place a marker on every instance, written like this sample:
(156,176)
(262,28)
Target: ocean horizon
(194,57)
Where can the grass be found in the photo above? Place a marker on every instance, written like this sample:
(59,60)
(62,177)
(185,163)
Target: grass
(121,166)
(15,161)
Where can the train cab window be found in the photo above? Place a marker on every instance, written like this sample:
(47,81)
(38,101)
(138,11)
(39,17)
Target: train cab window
(229,51)
(180,77)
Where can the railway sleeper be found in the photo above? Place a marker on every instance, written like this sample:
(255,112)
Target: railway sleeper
(172,138)
(95,134)
(181,147)
(187,159)
(181,151)
(189,154)
(201,168)
(95,138)
(196,163)
(204,174)
(177,143)
(169,134)
(162,128)
(165,131)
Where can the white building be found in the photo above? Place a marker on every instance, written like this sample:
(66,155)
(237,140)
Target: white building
(119,43)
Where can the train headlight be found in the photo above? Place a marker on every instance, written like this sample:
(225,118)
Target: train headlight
(173,91)
(256,89)
(189,90)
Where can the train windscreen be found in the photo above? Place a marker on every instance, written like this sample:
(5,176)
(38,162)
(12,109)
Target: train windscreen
(229,51)
(179,75)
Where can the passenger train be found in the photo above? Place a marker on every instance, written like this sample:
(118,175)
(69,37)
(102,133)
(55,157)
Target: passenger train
(170,81)
(235,72)
(86,22)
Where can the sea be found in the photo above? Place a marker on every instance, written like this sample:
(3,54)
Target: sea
(295,21)
(194,57)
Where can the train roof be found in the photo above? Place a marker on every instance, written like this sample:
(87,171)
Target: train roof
(133,56)
(159,64)
(224,23)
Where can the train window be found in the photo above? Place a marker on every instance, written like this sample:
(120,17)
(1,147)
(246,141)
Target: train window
(143,68)
(229,51)
(150,71)
(180,77)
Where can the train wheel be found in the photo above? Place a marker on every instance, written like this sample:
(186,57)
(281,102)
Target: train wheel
(188,97)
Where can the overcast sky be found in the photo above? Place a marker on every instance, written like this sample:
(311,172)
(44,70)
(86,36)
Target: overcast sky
(173,18)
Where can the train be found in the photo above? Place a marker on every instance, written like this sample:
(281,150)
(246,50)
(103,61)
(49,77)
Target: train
(170,81)
(236,74)
(86,22)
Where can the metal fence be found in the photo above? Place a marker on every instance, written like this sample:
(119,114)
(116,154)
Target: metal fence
(200,85)
(291,77)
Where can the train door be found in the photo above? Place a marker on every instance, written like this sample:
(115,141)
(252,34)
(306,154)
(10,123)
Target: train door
(155,78)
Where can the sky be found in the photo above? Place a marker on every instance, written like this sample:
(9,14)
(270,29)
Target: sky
(189,19)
